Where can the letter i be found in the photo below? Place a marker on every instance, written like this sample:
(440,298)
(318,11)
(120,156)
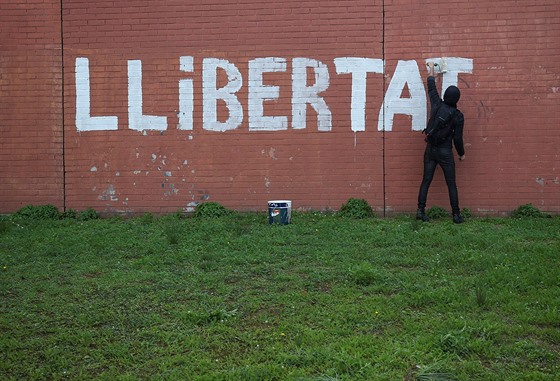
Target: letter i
(186,95)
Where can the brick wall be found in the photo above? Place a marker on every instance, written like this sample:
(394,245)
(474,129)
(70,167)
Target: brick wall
(132,70)
(31,165)
(511,101)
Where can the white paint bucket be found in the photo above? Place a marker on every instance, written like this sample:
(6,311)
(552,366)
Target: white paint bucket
(280,212)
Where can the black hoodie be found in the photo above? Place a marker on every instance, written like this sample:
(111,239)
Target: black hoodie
(451,97)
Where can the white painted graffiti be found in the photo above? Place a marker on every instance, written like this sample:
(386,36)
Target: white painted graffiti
(406,75)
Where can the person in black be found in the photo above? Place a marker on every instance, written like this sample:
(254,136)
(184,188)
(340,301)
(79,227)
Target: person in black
(442,154)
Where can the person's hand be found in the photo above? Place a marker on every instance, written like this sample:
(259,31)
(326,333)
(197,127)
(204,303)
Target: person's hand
(431,66)
(462,157)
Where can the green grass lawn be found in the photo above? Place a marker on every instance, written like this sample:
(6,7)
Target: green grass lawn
(325,298)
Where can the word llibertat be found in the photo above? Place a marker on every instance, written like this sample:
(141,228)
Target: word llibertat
(305,91)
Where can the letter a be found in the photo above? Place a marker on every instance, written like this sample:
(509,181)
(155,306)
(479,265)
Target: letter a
(406,73)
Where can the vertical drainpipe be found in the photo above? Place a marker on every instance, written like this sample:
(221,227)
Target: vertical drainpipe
(383,105)
(62,107)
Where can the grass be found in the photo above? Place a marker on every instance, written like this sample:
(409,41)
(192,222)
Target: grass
(325,298)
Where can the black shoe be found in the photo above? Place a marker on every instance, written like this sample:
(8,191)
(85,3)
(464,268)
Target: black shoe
(421,215)
(458,219)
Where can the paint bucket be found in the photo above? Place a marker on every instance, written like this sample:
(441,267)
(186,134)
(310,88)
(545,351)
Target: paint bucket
(279,212)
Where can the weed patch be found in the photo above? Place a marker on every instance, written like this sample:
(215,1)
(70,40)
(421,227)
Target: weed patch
(5,226)
(210,210)
(172,232)
(437,212)
(88,214)
(364,274)
(39,212)
(356,208)
(528,211)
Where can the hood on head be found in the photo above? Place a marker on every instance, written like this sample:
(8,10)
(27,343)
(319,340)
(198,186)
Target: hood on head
(452,95)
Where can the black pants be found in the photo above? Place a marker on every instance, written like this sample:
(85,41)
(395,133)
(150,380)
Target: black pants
(444,157)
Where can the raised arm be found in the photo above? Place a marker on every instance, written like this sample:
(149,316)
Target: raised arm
(433,94)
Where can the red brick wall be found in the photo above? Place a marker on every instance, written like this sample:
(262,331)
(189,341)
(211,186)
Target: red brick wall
(510,100)
(30,104)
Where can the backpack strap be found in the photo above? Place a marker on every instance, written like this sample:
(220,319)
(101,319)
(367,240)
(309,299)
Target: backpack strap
(453,119)
(432,118)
